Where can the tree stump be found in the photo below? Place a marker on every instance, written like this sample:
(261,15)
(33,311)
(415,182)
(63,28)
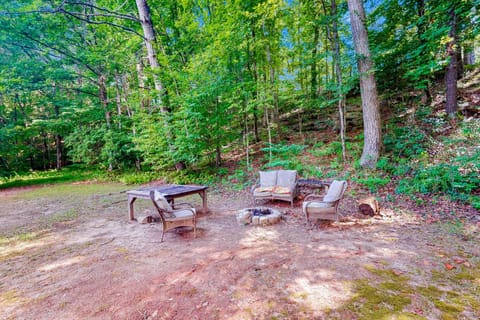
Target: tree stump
(369,206)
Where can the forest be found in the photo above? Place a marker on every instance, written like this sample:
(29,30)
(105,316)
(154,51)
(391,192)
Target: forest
(177,87)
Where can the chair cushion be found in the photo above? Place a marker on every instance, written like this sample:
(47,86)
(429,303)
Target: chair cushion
(286,178)
(268,178)
(314,204)
(264,189)
(282,190)
(313,207)
(335,191)
(182,214)
(162,202)
(261,194)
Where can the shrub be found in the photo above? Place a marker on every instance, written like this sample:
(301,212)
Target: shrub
(373,183)
(441,178)
(404,142)
(285,156)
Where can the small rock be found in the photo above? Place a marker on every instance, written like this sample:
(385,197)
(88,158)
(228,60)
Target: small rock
(145,219)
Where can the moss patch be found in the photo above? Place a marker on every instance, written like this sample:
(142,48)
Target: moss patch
(388,295)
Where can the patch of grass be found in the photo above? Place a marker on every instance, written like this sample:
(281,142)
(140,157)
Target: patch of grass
(19,237)
(70,174)
(72,191)
(388,295)
(16,243)
(382,301)
(67,216)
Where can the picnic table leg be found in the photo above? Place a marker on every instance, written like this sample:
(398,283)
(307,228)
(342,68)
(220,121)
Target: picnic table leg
(131,213)
(203,195)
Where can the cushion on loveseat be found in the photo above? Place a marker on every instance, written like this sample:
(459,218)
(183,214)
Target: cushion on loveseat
(282,190)
(268,178)
(286,178)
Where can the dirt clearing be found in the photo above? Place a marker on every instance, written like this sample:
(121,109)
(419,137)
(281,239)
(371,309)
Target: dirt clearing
(70,252)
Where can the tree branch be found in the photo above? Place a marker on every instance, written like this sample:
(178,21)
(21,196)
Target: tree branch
(108,13)
(83,16)
(64,53)
(100,22)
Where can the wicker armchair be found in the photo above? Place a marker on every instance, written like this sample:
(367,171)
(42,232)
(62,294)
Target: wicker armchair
(324,207)
(174,217)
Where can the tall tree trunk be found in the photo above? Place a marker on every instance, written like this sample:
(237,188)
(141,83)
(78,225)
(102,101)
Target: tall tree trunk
(58,137)
(58,147)
(104,102)
(254,72)
(58,142)
(273,87)
(118,98)
(218,149)
(451,75)
(460,69)
(144,101)
(422,27)
(46,152)
(338,73)
(150,39)
(102,93)
(314,71)
(368,88)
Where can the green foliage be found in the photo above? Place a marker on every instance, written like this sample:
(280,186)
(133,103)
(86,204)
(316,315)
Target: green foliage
(239,180)
(137,177)
(204,177)
(322,150)
(453,171)
(311,171)
(283,156)
(404,142)
(441,178)
(410,44)
(456,174)
(101,146)
(372,180)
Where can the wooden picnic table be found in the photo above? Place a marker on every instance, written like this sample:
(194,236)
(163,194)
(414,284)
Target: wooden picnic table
(169,191)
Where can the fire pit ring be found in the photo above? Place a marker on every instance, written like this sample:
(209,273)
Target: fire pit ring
(258,216)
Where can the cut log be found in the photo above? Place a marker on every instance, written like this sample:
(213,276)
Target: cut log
(369,206)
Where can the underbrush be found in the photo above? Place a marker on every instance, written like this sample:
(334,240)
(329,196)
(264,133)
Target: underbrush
(447,165)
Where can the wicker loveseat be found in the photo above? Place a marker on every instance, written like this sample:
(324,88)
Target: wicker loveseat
(276,185)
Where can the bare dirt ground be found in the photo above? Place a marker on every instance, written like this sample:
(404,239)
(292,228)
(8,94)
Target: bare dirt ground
(70,252)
